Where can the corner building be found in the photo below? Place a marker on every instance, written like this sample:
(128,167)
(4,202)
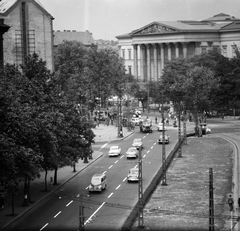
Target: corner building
(146,50)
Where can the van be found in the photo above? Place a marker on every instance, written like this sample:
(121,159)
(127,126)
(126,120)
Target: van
(98,183)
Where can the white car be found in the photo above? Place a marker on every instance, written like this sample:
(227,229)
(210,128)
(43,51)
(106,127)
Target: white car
(132,153)
(133,175)
(160,140)
(114,151)
(160,127)
(135,120)
(137,142)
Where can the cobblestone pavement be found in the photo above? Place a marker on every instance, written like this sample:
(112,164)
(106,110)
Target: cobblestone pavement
(184,203)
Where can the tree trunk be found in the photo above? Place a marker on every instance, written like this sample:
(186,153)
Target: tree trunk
(55,176)
(46,187)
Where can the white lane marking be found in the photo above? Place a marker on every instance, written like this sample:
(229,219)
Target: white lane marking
(110,195)
(121,157)
(124,179)
(69,203)
(136,166)
(144,156)
(104,172)
(78,195)
(152,147)
(148,151)
(154,143)
(90,218)
(116,161)
(86,188)
(118,187)
(144,137)
(110,167)
(57,214)
(44,226)
(104,145)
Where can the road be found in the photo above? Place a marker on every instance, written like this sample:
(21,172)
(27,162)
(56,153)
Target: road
(109,209)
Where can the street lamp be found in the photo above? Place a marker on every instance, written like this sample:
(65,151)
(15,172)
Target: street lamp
(164,181)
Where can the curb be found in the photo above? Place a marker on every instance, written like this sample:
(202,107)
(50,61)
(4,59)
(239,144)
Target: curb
(49,194)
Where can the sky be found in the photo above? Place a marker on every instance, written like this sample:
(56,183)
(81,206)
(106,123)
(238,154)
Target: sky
(106,19)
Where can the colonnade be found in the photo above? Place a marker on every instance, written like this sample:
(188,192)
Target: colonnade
(153,56)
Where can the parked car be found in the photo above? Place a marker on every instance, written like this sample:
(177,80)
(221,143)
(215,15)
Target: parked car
(114,151)
(205,129)
(137,143)
(135,120)
(160,140)
(160,127)
(133,175)
(132,153)
(98,182)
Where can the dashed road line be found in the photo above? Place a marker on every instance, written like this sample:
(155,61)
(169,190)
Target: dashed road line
(57,214)
(152,147)
(118,187)
(104,172)
(70,202)
(116,161)
(110,195)
(144,156)
(44,226)
(121,157)
(148,151)
(104,145)
(110,167)
(124,179)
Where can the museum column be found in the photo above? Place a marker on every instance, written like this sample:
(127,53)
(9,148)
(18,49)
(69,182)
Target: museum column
(148,63)
(177,50)
(169,51)
(155,76)
(184,50)
(135,47)
(162,56)
(142,49)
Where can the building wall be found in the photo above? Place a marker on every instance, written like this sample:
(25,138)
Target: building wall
(40,26)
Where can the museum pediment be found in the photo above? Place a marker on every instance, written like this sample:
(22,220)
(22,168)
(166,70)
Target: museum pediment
(154,29)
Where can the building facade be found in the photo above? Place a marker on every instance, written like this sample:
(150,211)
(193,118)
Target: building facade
(31,31)
(147,49)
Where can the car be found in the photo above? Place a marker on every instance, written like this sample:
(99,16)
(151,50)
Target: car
(98,182)
(132,153)
(160,127)
(205,128)
(135,121)
(133,175)
(137,143)
(160,140)
(114,151)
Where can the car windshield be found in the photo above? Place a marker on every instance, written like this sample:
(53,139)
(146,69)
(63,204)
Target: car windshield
(114,148)
(132,149)
(96,180)
(133,171)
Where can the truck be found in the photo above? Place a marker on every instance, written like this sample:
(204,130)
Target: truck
(145,125)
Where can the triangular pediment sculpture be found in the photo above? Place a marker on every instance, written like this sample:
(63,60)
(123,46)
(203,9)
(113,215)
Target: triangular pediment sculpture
(155,29)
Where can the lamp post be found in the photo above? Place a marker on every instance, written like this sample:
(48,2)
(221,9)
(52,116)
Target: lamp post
(164,180)
(179,131)
(140,191)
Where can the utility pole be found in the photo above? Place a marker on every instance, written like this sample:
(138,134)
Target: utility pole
(211,201)
(164,180)
(179,131)
(184,127)
(140,191)
(81,214)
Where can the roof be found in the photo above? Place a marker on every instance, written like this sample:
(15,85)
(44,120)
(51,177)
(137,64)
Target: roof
(221,17)
(83,37)
(217,23)
(7,5)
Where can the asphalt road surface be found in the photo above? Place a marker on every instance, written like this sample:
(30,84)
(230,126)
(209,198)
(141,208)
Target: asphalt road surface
(102,211)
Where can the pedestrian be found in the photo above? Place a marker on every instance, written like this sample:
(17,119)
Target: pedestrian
(239,203)
(156,120)
(230,202)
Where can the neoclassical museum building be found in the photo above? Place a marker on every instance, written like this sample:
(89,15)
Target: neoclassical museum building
(145,50)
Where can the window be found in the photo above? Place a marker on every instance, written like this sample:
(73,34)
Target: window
(129,53)
(233,50)
(130,70)
(123,54)
(224,51)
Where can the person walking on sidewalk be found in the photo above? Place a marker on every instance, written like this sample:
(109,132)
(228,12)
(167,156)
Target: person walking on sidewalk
(230,202)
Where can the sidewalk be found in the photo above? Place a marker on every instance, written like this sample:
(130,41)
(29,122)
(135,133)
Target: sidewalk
(8,215)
